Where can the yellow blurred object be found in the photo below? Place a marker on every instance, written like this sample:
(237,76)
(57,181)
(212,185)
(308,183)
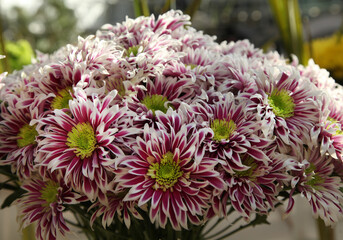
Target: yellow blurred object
(328,52)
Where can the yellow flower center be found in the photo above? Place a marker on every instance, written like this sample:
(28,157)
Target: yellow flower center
(82,139)
(222,129)
(313,179)
(282,103)
(166,173)
(62,98)
(27,135)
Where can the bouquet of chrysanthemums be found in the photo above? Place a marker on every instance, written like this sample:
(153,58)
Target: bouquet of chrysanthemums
(150,130)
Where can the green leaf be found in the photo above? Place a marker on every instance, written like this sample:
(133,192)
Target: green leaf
(12,197)
(6,170)
(19,53)
(141,8)
(288,18)
(260,219)
(193,7)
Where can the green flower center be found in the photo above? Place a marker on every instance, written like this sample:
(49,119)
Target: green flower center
(282,103)
(27,135)
(249,161)
(335,124)
(166,173)
(62,98)
(119,86)
(313,179)
(155,102)
(132,50)
(49,192)
(222,129)
(82,139)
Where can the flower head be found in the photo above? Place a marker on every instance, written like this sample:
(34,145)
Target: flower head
(313,179)
(232,131)
(84,141)
(287,106)
(18,141)
(43,203)
(162,171)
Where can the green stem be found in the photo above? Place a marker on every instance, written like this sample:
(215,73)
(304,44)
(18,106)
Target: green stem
(28,233)
(288,18)
(166,6)
(193,7)
(325,233)
(6,170)
(141,8)
(225,228)
(213,226)
(145,8)
(7,186)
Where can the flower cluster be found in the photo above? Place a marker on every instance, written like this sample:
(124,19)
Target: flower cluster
(151,119)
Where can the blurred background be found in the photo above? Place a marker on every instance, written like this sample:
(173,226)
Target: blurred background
(46,25)
(49,24)
(307,28)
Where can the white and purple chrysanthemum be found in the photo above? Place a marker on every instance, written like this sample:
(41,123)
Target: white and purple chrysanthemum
(328,132)
(312,177)
(43,204)
(84,141)
(115,207)
(162,171)
(160,94)
(232,132)
(287,106)
(18,138)
(253,190)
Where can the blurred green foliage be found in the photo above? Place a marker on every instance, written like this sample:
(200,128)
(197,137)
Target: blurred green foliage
(288,18)
(18,54)
(51,26)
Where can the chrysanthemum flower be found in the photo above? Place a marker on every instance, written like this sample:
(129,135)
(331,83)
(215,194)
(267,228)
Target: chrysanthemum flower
(165,24)
(253,190)
(318,76)
(43,204)
(287,106)
(242,47)
(162,171)
(312,177)
(233,132)
(84,141)
(18,138)
(205,67)
(328,134)
(160,94)
(145,50)
(115,207)
(240,75)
